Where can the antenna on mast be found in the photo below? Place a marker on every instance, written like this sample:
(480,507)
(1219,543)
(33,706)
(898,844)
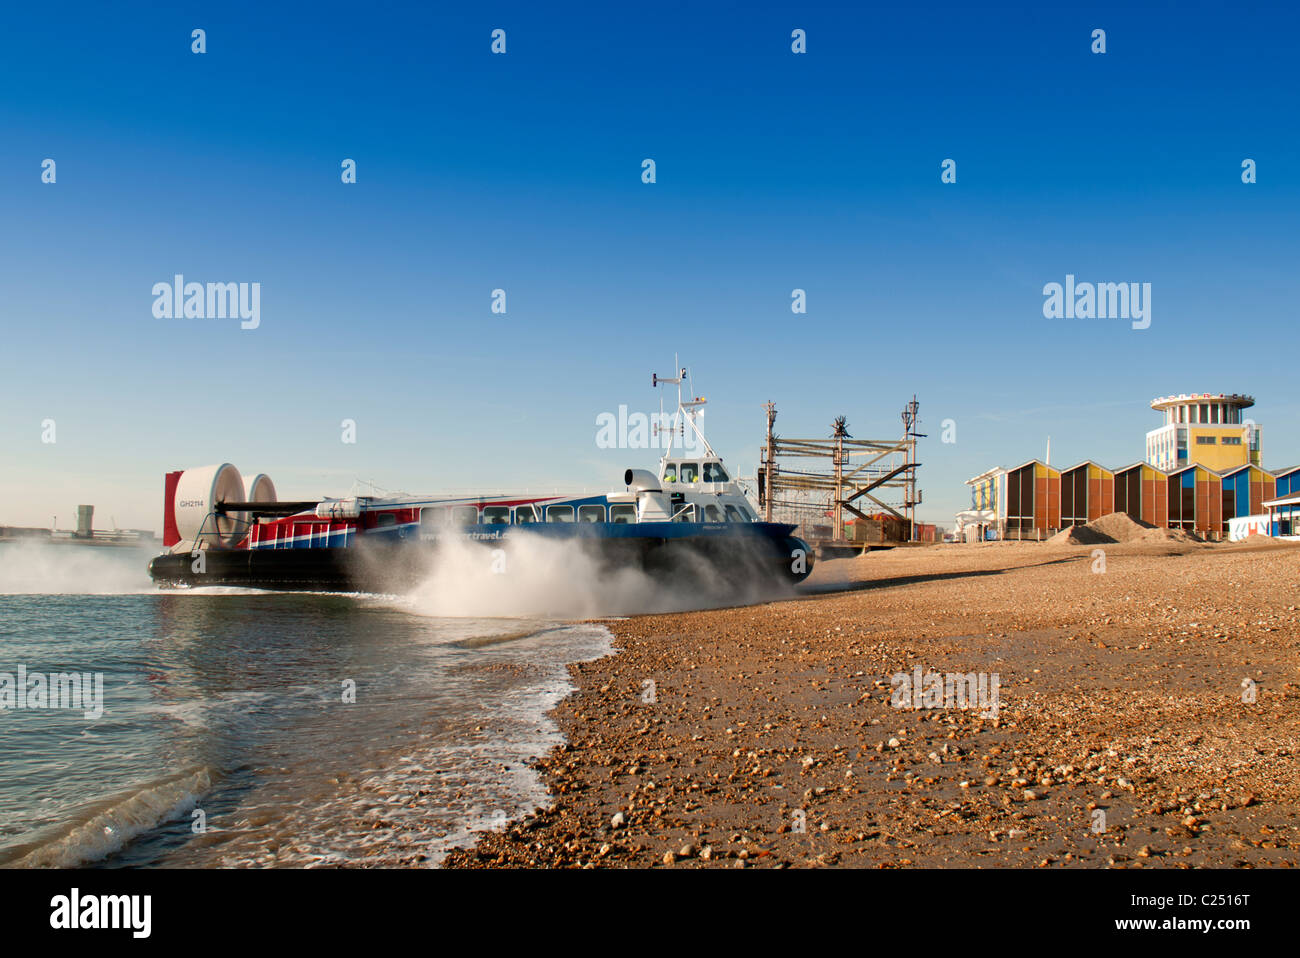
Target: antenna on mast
(655,381)
(687,409)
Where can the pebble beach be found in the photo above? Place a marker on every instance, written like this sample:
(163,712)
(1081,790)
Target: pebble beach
(1146,717)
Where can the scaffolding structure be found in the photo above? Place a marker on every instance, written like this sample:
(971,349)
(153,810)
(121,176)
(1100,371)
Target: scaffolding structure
(863,476)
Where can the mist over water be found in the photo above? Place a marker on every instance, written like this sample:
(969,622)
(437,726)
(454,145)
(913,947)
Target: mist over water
(41,568)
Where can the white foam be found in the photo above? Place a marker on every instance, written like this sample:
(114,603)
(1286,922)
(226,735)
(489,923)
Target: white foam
(110,828)
(37,568)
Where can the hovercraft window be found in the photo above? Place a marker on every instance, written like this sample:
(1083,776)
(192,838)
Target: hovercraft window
(429,518)
(690,472)
(496,515)
(465,516)
(525,515)
(385,519)
(625,513)
(735,515)
(559,513)
(670,472)
(712,513)
(713,472)
(591,513)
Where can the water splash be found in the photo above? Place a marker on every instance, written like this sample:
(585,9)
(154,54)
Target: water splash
(40,568)
(533,576)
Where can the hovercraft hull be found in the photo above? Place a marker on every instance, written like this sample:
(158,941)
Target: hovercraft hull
(735,554)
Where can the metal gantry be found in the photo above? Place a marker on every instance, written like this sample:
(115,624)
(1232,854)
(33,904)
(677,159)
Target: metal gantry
(860,471)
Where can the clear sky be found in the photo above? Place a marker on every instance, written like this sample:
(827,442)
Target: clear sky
(523,171)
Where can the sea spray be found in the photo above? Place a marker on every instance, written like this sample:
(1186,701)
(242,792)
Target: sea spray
(39,568)
(535,576)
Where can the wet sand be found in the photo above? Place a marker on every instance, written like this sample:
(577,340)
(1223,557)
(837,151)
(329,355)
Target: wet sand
(765,736)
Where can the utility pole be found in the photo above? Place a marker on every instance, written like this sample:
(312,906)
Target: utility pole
(909,449)
(769,460)
(839,431)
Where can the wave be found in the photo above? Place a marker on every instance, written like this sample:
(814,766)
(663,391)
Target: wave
(121,820)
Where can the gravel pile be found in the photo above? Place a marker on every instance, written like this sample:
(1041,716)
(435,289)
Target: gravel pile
(1119,527)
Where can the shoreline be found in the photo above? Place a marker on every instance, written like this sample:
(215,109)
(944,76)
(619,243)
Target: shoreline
(768,736)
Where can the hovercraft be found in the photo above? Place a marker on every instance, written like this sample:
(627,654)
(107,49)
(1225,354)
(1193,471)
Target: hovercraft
(221,529)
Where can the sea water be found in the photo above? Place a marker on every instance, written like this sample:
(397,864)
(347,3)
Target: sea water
(247,728)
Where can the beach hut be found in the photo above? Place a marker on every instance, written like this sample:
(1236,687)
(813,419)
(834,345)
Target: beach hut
(1142,491)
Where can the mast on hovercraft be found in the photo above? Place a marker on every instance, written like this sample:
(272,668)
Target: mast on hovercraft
(685,417)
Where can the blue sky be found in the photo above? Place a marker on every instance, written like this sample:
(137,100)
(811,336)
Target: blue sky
(775,171)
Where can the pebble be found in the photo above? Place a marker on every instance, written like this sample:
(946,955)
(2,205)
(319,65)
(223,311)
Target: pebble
(1073,746)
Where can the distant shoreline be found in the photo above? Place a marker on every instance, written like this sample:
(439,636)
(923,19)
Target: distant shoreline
(44,537)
